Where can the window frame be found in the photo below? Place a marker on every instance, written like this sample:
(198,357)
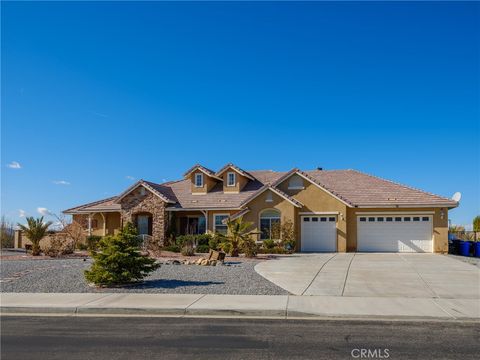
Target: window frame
(234,179)
(269,218)
(215,222)
(198,176)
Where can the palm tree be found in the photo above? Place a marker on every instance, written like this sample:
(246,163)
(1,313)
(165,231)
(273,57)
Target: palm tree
(237,234)
(35,231)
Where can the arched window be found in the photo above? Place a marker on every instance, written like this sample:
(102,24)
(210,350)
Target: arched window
(270,224)
(295,182)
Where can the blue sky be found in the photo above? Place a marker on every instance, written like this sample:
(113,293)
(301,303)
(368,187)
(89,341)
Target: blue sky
(94,93)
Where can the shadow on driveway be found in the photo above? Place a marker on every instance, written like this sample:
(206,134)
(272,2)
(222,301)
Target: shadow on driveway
(169,284)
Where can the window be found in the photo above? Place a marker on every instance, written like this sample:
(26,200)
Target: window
(218,225)
(406,218)
(94,223)
(416,218)
(380,219)
(331,219)
(315,219)
(363,219)
(270,223)
(398,219)
(425,218)
(231,180)
(295,183)
(323,219)
(389,219)
(306,219)
(371,219)
(198,180)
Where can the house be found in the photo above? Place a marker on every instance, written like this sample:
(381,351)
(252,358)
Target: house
(334,210)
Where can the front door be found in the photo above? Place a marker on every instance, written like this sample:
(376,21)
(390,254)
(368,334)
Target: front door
(142,224)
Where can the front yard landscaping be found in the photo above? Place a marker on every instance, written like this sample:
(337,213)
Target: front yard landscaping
(236,277)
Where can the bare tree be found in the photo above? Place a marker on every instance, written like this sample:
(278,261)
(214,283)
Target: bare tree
(73,229)
(7,233)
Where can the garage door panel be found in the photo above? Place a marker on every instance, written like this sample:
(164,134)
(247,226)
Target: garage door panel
(318,235)
(404,233)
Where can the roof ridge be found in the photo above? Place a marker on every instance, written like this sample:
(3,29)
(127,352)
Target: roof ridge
(400,184)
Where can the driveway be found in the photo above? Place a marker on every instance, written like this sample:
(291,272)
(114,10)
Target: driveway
(374,275)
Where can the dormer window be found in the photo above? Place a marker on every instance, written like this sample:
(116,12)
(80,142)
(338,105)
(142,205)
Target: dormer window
(295,183)
(199,180)
(231,179)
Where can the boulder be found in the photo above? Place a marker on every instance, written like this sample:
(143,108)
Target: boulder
(204,262)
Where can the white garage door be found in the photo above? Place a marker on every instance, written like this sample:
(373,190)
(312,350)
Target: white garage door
(319,233)
(395,233)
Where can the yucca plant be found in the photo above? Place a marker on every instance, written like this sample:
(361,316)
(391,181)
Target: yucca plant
(35,230)
(238,235)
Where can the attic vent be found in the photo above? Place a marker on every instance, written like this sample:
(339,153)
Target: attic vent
(222,200)
(194,201)
(392,199)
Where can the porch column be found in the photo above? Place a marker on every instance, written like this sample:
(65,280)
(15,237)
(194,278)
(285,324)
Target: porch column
(89,224)
(104,224)
(205,213)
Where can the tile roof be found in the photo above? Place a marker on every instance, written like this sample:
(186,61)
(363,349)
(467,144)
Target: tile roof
(350,186)
(237,169)
(207,171)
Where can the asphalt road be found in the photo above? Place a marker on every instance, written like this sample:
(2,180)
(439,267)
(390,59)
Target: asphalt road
(199,338)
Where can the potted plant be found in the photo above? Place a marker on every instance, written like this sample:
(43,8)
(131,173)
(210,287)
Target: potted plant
(476,229)
(466,244)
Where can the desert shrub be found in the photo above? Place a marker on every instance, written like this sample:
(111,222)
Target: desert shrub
(288,235)
(118,259)
(249,247)
(188,250)
(57,245)
(172,248)
(184,240)
(203,239)
(82,246)
(7,233)
(202,249)
(92,242)
(213,243)
(268,244)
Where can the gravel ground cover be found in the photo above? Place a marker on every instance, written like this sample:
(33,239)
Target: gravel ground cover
(66,275)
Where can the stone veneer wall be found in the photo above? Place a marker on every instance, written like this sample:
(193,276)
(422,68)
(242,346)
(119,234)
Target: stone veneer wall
(135,203)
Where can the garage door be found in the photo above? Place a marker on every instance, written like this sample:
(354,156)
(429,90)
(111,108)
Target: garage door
(319,233)
(390,233)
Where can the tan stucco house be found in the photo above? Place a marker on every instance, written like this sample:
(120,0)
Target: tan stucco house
(334,210)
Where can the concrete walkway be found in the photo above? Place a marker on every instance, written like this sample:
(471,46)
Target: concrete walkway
(374,275)
(283,306)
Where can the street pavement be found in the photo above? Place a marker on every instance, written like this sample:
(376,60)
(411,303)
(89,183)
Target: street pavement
(200,338)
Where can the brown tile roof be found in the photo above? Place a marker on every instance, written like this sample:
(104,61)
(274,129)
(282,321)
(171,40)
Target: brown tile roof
(100,205)
(207,171)
(360,189)
(237,169)
(350,186)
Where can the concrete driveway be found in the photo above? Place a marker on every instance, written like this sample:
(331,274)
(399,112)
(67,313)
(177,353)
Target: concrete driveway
(374,275)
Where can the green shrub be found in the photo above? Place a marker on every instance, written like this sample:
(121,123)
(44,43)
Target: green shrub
(119,259)
(92,242)
(82,246)
(202,249)
(188,250)
(185,240)
(203,239)
(213,243)
(249,247)
(172,248)
(226,247)
(268,244)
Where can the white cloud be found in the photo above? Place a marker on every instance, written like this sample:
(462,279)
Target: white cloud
(21,213)
(43,211)
(61,182)
(14,165)
(129,177)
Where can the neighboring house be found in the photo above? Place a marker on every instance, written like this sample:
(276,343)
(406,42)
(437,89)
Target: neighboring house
(335,210)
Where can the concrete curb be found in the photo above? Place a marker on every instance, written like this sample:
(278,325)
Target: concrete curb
(240,306)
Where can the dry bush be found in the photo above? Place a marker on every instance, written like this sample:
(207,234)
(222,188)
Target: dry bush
(57,245)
